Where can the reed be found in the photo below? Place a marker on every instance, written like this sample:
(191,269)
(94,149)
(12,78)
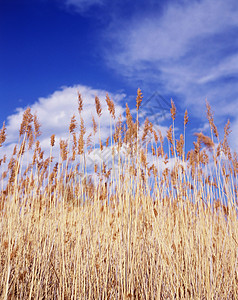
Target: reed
(144,223)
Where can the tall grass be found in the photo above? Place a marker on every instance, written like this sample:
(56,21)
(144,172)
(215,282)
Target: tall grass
(135,227)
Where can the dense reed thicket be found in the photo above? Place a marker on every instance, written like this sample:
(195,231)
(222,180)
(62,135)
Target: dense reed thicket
(148,222)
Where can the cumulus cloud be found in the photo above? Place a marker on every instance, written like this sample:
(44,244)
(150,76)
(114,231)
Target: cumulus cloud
(55,111)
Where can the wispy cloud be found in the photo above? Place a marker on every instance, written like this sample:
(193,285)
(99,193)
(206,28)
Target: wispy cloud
(180,30)
(189,48)
(82,5)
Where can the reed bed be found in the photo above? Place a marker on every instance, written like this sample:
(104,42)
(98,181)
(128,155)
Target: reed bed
(148,222)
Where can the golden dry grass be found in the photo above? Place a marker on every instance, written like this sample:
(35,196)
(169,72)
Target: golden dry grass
(134,229)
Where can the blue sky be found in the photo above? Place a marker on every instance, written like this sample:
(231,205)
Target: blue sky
(185,50)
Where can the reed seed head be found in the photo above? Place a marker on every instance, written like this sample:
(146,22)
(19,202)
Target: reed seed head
(80,103)
(3,134)
(169,135)
(52,140)
(63,149)
(138,99)
(173,110)
(37,126)
(206,140)
(81,137)
(211,120)
(111,106)
(185,118)
(98,106)
(73,124)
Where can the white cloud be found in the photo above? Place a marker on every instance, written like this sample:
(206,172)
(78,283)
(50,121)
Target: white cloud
(55,111)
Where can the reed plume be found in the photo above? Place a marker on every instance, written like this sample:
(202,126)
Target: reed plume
(98,106)
(138,99)
(3,134)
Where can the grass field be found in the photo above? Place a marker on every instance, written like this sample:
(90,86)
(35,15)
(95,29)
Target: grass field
(148,222)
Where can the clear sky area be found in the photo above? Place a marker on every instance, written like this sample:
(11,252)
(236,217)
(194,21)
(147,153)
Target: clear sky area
(184,50)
